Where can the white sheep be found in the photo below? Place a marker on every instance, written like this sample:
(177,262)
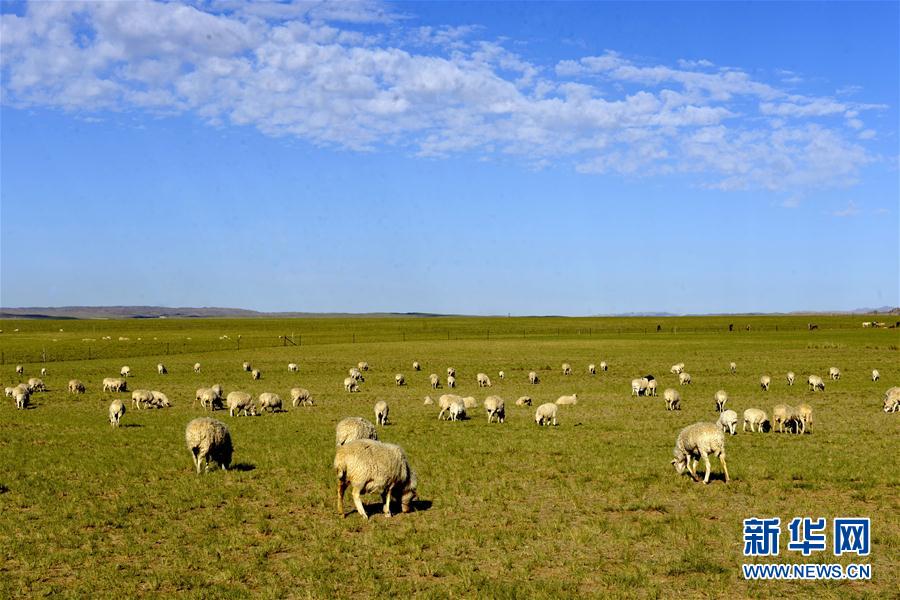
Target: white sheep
(428,401)
(196,367)
(114,384)
(416,366)
(567,400)
(368,466)
(483,380)
(733,367)
(677,369)
(9,392)
(546,414)
(566,369)
(356,374)
(293,367)
(161,369)
(350,384)
(435,381)
(399,379)
(699,441)
(209,398)
(804,415)
(834,373)
(363,365)
(891,400)
(783,417)
(451,381)
(255,374)
(159,400)
(125,371)
(764,383)
(533,378)
(728,421)
(21,396)
(354,428)
(651,388)
(141,399)
(684,378)
(638,386)
(495,408)
(20,370)
(116,411)
(457,411)
(604,366)
(501,374)
(240,402)
(301,397)
(451,372)
(672,398)
(790,377)
(44,371)
(815,383)
(36,384)
(246,366)
(875,375)
(208,439)
(470,402)
(444,403)
(523,401)
(592,369)
(217,388)
(755,418)
(268,400)
(381,412)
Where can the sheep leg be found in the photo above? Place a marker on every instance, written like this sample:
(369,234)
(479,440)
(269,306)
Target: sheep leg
(358,502)
(708,468)
(342,485)
(386,498)
(692,468)
(724,467)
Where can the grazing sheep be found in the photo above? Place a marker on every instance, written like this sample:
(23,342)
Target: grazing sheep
(113,384)
(435,381)
(684,378)
(782,417)
(240,402)
(21,396)
(293,367)
(428,401)
(651,388)
(301,397)
(804,415)
(637,387)
(36,384)
(546,414)
(354,428)
(368,466)
(268,400)
(159,400)
(567,400)
(141,399)
(677,369)
(451,372)
(483,380)
(721,398)
(733,368)
(523,401)
(699,441)
(815,383)
(210,399)
(604,366)
(350,384)
(764,383)
(246,366)
(255,374)
(116,411)
(755,418)
(125,371)
(790,377)
(834,373)
(451,381)
(399,379)
(44,371)
(533,378)
(416,366)
(198,395)
(457,411)
(444,403)
(363,366)
(728,421)
(566,369)
(891,400)
(592,369)
(501,374)
(470,402)
(196,367)
(381,412)
(208,439)
(495,407)
(673,399)
(20,370)
(161,369)
(875,375)
(356,374)
(866,324)
(9,392)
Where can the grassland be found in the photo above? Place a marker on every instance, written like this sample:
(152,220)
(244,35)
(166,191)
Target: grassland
(590,508)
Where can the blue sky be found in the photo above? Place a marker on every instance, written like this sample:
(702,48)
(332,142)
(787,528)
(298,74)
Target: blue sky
(483,158)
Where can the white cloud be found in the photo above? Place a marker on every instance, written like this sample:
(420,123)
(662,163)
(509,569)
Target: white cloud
(299,70)
(850,211)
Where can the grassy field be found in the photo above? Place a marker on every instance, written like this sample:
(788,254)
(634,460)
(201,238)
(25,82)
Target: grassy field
(589,508)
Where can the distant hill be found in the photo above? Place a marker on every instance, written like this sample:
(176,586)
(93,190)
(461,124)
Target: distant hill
(163,312)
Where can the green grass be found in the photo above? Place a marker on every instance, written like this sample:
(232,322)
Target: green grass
(589,508)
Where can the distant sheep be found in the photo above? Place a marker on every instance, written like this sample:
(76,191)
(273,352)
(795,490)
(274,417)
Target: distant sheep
(435,381)
(451,381)
(457,411)
(246,366)
(208,439)
(684,378)
(21,396)
(567,400)
(350,384)
(141,399)
(9,392)
(764,383)
(604,366)
(803,413)
(381,412)
(451,372)
(523,401)
(428,401)
(293,367)
(270,401)
(470,402)
(301,397)
(196,367)
(44,371)
(217,388)
(495,408)
(867,324)
(790,377)
(255,374)
(368,466)
(416,366)
(483,380)
(672,398)
(501,374)
(677,369)
(240,402)
(363,366)
(116,411)
(812,326)
(875,375)
(651,388)
(399,379)
(161,369)
(721,398)
(20,370)
(783,417)
(546,414)
(356,374)
(444,403)
(699,441)
(36,384)
(834,373)
(533,378)
(728,421)
(209,398)
(125,371)
(815,383)
(755,418)
(891,400)
(354,428)
(566,369)
(733,367)
(113,384)
(159,400)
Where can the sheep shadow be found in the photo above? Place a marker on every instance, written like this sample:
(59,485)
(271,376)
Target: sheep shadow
(130,425)
(374,509)
(243,467)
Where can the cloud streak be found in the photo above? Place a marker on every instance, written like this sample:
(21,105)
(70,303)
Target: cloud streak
(333,75)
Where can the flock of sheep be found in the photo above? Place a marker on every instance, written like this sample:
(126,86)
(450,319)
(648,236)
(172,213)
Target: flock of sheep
(367,465)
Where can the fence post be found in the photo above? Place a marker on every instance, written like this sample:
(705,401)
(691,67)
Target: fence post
(167,348)
(488,334)
(300,340)
(354,338)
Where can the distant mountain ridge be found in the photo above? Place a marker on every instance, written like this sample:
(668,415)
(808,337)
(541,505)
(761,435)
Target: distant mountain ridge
(158,312)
